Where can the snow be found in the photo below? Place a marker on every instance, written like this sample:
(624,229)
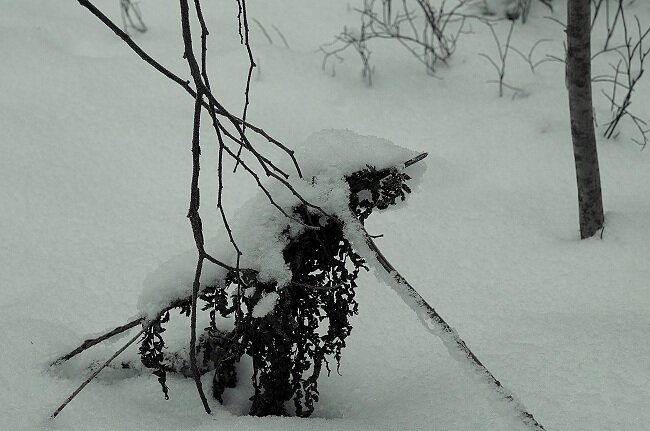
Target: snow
(265,305)
(96,166)
(173,280)
(348,152)
(326,158)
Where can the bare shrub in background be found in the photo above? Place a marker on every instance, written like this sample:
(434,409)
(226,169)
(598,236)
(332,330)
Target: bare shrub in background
(131,16)
(510,9)
(430,34)
(500,64)
(627,68)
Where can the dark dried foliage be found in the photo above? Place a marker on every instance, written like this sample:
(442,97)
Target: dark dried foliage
(310,322)
(151,352)
(372,189)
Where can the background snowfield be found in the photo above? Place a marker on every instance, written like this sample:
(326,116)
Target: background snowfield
(95,166)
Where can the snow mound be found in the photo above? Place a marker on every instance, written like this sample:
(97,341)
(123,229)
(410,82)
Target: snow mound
(348,152)
(262,231)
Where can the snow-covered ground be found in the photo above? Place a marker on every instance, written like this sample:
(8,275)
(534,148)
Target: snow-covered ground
(95,165)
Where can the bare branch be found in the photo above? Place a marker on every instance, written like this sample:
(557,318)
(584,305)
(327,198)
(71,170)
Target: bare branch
(93,375)
(87,344)
(449,335)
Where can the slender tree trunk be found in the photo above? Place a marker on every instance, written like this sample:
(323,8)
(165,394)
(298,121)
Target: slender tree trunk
(578,79)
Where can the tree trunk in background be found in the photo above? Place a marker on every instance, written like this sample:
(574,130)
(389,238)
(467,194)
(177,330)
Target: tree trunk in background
(578,79)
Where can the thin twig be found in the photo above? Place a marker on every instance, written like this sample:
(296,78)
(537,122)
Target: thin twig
(415,159)
(503,55)
(193,213)
(126,7)
(237,123)
(93,375)
(243,22)
(428,37)
(529,58)
(284,40)
(218,131)
(266,34)
(87,344)
(631,53)
(313,287)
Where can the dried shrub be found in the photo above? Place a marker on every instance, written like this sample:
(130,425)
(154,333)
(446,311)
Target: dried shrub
(289,342)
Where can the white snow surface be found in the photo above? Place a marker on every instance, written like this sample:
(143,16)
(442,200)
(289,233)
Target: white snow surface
(96,168)
(348,152)
(265,305)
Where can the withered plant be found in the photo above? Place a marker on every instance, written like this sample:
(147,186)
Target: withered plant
(291,342)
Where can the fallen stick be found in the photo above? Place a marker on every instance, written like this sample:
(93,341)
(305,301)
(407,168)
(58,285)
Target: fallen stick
(415,159)
(447,334)
(93,375)
(87,344)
